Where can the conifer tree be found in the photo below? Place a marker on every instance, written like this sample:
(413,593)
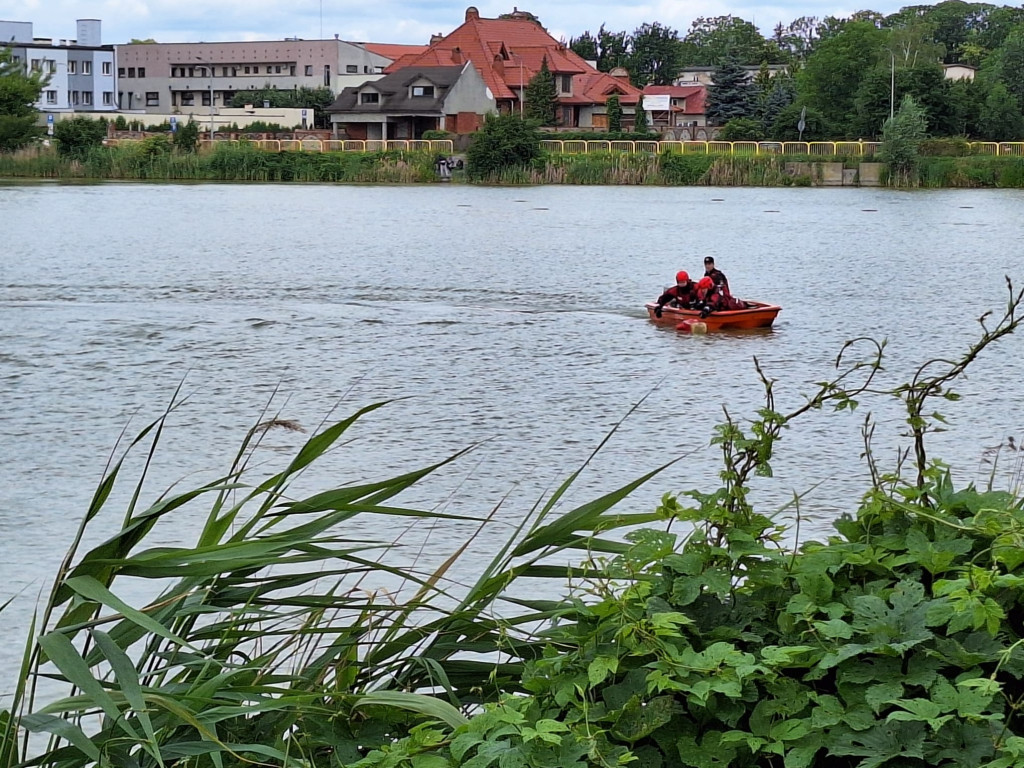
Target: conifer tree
(541,96)
(730,95)
(640,119)
(614,111)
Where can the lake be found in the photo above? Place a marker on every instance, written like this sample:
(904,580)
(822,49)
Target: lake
(510,319)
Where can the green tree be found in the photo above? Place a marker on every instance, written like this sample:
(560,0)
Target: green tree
(787,122)
(542,96)
(504,142)
(18,93)
(1000,118)
(925,82)
(901,140)
(713,38)
(77,136)
(832,74)
(1007,63)
(797,40)
(742,129)
(186,138)
(780,94)
(614,111)
(585,46)
(731,95)
(657,55)
(640,118)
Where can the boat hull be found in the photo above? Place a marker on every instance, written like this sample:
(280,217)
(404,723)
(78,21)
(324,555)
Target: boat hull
(756,315)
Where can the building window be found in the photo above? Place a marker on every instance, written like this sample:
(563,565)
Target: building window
(108,98)
(152,98)
(247,70)
(234,71)
(369,98)
(107,68)
(142,71)
(35,65)
(566,83)
(74,98)
(423,90)
(131,72)
(351,69)
(191,71)
(292,70)
(380,70)
(309,70)
(51,67)
(206,98)
(86,68)
(366,69)
(277,69)
(188,99)
(87,98)
(51,97)
(72,67)
(327,75)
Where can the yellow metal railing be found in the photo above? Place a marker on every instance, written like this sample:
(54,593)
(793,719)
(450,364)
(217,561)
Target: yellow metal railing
(580,146)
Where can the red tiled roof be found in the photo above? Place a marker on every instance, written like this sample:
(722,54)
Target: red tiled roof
(693,96)
(507,53)
(595,87)
(394,50)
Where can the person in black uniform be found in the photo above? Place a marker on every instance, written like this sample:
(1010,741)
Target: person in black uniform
(682,294)
(717,276)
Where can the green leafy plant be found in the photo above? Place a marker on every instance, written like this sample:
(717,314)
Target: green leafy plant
(504,142)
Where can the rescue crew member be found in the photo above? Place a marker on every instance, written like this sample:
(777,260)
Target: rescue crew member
(709,297)
(717,275)
(682,294)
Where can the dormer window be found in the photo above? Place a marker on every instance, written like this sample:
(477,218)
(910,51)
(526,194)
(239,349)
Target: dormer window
(423,90)
(369,98)
(566,83)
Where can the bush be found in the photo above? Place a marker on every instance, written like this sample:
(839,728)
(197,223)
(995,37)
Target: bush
(685,169)
(186,138)
(433,135)
(956,146)
(742,129)
(504,143)
(75,137)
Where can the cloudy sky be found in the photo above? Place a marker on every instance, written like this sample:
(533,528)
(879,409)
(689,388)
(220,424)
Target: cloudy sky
(390,21)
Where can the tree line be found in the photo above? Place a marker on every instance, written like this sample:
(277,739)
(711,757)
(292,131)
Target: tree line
(845,75)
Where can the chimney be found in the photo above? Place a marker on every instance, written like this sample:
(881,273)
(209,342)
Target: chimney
(619,73)
(457,55)
(437,37)
(499,67)
(472,14)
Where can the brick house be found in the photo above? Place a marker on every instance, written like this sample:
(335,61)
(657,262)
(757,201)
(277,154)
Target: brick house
(508,52)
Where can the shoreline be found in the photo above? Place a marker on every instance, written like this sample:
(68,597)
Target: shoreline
(248,164)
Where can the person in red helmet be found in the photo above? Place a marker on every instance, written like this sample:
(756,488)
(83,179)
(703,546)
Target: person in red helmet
(709,297)
(682,294)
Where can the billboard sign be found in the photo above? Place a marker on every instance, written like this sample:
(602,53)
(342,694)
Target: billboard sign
(657,103)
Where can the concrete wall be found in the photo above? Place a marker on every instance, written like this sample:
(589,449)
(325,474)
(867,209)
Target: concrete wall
(835,175)
(15,32)
(469,94)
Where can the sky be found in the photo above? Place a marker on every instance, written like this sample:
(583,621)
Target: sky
(385,21)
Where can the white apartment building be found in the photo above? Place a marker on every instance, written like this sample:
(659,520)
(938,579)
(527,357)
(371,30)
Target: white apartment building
(81,72)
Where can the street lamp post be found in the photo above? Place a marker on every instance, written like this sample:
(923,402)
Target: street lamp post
(892,86)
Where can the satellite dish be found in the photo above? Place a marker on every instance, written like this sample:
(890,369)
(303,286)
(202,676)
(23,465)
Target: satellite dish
(490,95)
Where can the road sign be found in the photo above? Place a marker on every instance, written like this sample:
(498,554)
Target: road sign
(303,113)
(49,125)
(803,123)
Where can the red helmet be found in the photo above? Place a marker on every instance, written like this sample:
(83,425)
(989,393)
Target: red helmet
(682,277)
(705,283)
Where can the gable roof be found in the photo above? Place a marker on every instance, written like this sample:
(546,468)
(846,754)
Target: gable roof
(694,96)
(394,91)
(506,52)
(394,50)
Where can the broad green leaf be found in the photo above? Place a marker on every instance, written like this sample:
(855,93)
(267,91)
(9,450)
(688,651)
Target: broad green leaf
(414,702)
